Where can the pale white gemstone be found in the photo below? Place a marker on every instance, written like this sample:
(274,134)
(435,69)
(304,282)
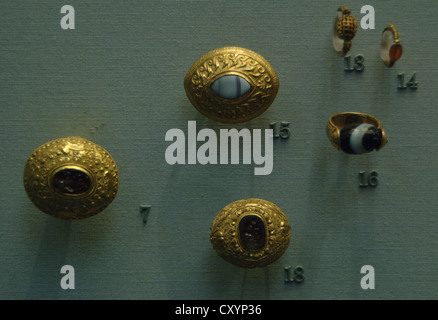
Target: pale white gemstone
(230,86)
(387,42)
(357,136)
(338,43)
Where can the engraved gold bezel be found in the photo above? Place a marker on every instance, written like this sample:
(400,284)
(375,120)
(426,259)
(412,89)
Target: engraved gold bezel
(237,61)
(77,153)
(225,238)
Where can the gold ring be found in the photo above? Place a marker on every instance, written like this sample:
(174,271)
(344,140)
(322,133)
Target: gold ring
(390,49)
(71,178)
(231,85)
(356,133)
(344,30)
(250,233)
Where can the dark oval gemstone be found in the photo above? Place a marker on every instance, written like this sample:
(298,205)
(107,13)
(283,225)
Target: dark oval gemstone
(252,233)
(395,52)
(71,181)
(230,86)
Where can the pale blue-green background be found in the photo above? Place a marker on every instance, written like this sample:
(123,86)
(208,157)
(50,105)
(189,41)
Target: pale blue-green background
(117,80)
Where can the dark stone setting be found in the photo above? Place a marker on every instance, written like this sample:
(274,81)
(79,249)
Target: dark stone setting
(372,139)
(252,233)
(71,181)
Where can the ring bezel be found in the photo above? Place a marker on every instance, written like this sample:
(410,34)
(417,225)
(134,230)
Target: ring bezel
(225,237)
(340,120)
(231,61)
(71,153)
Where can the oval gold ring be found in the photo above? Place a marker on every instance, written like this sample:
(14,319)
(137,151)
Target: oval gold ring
(231,85)
(250,233)
(344,30)
(356,133)
(71,178)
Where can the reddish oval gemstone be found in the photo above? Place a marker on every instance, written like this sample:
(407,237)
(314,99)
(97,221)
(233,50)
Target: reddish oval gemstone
(252,233)
(395,52)
(71,181)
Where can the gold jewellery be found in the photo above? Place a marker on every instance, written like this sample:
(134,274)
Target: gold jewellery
(355,133)
(231,85)
(71,178)
(390,49)
(250,233)
(344,30)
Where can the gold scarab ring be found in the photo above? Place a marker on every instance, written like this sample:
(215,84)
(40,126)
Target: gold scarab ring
(356,133)
(71,178)
(344,30)
(250,233)
(390,49)
(231,85)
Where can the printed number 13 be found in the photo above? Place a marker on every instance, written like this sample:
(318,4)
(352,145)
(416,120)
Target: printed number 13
(358,63)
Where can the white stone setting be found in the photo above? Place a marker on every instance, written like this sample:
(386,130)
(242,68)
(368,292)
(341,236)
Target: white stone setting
(356,138)
(230,86)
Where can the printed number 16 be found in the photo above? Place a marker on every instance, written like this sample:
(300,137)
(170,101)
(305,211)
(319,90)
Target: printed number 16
(368,179)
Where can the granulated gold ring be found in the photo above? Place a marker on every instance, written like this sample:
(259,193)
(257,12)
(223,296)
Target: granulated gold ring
(71,178)
(344,30)
(250,233)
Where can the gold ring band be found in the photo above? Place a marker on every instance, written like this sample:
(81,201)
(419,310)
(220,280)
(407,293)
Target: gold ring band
(356,133)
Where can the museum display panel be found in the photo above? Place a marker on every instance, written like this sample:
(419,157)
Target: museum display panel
(344,147)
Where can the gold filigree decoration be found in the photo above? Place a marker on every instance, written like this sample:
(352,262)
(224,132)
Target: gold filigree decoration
(224,233)
(231,61)
(74,153)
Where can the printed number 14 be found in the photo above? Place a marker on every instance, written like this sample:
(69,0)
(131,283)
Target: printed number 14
(412,83)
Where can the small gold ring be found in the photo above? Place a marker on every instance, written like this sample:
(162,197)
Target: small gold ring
(344,30)
(356,133)
(250,233)
(71,178)
(390,49)
(231,85)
